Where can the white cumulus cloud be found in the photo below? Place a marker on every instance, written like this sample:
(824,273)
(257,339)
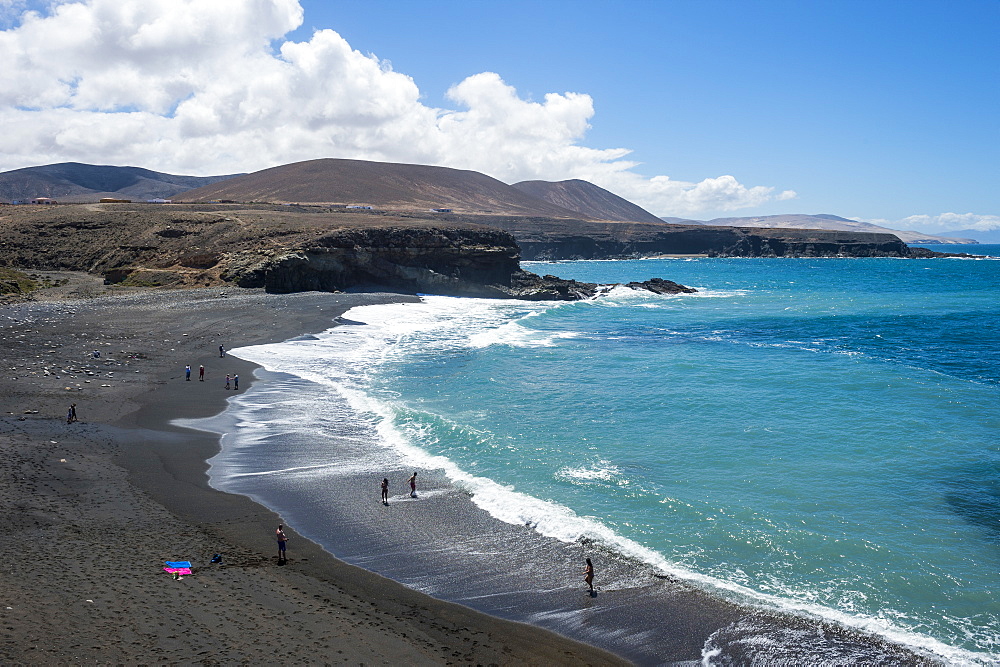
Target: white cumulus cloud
(209,87)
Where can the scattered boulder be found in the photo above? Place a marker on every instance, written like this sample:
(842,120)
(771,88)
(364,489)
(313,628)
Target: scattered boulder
(661,286)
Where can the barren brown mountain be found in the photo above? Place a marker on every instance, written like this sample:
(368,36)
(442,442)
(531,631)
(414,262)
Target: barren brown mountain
(77,182)
(383,185)
(588,200)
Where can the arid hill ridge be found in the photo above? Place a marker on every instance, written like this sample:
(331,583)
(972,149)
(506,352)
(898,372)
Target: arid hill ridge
(77,182)
(383,185)
(589,200)
(387,186)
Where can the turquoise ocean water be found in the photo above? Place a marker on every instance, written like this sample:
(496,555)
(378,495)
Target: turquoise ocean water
(820,436)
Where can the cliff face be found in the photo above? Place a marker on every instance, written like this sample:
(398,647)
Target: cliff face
(291,249)
(281,249)
(477,262)
(577,239)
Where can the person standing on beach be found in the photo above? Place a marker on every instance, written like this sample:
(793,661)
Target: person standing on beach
(279,535)
(201,373)
(72,412)
(69,416)
(413,485)
(385,490)
(227,381)
(222,351)
(588,575)
(187,372)
(236,382)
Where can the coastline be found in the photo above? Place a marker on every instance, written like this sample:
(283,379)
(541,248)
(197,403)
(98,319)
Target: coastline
(97,506)
(446,544)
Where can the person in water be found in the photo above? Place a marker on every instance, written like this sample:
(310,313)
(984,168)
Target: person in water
(413,485)
(385,490)
(588,575)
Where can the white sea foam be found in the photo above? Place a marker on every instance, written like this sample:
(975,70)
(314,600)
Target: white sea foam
(604,472)
(339,360)
(515,334)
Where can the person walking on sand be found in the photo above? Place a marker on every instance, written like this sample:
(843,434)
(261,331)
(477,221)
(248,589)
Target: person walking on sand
(413,485)
(187,372)
(279,535)
(201,373)
(588,575)
(227,381)
(385,490)
(72,412)
(222,351)
(236,382)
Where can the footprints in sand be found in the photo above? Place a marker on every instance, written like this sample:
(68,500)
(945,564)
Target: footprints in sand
(87,585)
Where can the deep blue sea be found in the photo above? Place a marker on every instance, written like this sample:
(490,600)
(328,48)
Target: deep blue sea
(820,436)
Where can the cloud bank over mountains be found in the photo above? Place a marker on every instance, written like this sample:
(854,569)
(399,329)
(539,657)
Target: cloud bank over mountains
(206,87)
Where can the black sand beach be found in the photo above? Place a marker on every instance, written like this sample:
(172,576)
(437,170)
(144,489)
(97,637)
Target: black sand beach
(96,506)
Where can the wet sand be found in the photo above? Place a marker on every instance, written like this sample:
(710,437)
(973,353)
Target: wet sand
(95,507)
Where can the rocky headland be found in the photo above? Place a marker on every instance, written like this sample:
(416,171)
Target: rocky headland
(335,225)
(283,249)
(587,239)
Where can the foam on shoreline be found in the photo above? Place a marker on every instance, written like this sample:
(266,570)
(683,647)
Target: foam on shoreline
(123,475)
(550,539)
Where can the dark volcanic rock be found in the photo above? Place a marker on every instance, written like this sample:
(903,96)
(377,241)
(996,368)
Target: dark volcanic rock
(526,285)
(458,262)
(661,286)
(550,239)
(278,248)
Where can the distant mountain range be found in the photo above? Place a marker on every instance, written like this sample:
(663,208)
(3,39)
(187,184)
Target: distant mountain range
(386,185)
(74,182)
(330,181)
(380,185)
(828,222)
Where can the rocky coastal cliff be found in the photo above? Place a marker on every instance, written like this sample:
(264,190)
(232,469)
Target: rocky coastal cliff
(547,239)
(302,248)
(282,249)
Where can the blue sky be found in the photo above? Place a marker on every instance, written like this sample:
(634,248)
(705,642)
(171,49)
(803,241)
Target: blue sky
(878,109)
(882,111)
